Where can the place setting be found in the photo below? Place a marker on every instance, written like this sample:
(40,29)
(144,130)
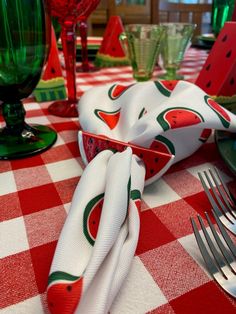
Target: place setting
(117,163)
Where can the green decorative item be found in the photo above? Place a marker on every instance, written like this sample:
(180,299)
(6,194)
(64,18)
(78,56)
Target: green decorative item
(222,11)
(24,41)
(141,43)
(173,46)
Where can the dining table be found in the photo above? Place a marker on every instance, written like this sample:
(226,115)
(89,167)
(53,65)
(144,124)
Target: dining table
(168,273)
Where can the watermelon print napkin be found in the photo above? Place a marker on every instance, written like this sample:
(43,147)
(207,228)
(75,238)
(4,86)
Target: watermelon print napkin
(172,117)
(131,136)
(100,235)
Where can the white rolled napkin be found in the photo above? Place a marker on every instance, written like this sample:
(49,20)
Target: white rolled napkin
(162,122)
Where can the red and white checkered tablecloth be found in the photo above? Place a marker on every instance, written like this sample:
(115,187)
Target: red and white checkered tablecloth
(168,274)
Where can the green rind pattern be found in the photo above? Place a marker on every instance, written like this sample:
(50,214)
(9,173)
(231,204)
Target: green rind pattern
(60,275)
(167,142)
(164,91)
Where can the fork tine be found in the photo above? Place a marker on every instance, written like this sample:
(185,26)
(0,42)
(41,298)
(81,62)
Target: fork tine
(209,196)
(229,258)
(225,187)
(206,256)
(218,259)
(222,206)
(225,235)
(224,191)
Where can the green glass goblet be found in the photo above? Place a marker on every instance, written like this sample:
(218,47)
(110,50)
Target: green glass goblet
(173,46)
(24,41)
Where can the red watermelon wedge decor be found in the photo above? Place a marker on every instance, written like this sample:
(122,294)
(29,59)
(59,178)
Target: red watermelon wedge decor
(178,117)
(52,84)
(166,87)
(110,118)
(218,74)
(221,113)
(154,161)
(111,52)
(64,292)
(116,90)
(91,218)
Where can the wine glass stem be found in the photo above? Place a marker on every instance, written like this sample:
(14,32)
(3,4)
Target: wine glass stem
(14,116)
(68,38)
(83,30)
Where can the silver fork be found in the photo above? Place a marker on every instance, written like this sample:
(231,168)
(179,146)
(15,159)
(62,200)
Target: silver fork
(220,257)
(222,201)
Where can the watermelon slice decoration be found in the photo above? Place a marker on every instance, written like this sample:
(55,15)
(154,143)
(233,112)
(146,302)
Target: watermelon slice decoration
(221,113)
(162,144)
(64,292)
(110,118)
(111,52)
(91,219)
(178,117)
(154,161)
(52,84)
(116,90)
(205,135)
(166,87)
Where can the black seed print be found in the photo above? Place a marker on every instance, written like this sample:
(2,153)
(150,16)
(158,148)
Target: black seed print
(224,38)
(208,84)
(69,288)
(208,67)
(228,55)
(231,81)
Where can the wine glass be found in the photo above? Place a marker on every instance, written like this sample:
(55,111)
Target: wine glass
(24,41)
(83,28)
(173,45)
(68,12)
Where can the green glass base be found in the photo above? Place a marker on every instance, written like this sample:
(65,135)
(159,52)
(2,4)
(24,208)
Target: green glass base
(32,140)
(169,77)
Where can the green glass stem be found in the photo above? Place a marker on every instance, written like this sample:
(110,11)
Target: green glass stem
(17,138)
(171,74)
(14,115)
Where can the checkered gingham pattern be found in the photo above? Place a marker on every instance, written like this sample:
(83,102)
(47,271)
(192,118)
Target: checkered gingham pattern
(168,274)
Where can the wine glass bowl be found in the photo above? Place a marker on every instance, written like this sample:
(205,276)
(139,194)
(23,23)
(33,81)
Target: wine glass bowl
(173,46)
(24,41)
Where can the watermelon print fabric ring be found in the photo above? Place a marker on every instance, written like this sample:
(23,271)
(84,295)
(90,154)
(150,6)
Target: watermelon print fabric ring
(172,118)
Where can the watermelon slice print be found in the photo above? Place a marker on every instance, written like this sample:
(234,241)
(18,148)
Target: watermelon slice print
(166,87)
(136,197)
(178,117)
(205,135)
(91,219)
(116,90)
(162,144)
(110,118)
(64,292)
(221,113)
(154,161)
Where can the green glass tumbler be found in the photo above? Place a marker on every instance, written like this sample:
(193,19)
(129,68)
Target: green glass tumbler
(173,46)
(24,43)
(141,43)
